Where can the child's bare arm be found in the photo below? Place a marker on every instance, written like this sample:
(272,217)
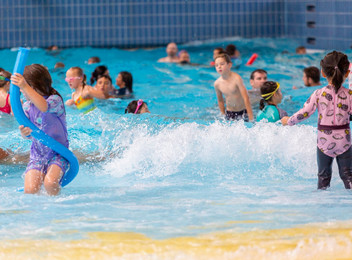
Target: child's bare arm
(245,97)
(284,120)
(71,101)
(3,154)
(38,100)
(220,99)
(95,93)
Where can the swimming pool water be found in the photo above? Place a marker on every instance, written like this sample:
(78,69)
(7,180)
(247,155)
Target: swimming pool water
(180,182)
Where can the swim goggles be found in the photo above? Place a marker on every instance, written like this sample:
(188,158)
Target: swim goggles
(267,96)
(139,104)
(4,78)
(71,79)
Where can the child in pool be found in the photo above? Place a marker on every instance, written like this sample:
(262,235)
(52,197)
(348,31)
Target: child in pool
(100,70)
(137,107)
(93,60)
(230,84)
(272,96)
(184,57)
(216,52)
(104,88)
(5,105)
(124,81)
(45,108)
(232,51)
(81,97)
(334,104)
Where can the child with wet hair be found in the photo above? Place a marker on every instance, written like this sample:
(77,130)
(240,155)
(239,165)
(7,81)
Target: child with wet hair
(5,105)
(124,81)
(45,109)
(217,51)
(81,96)
(230,85)
(184,57)
(104,88)
(137,107)
(100,70)
(232,51)
(93,60)
(334,104)
(271,97)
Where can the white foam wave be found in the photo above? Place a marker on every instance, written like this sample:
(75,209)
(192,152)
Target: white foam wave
(175,148)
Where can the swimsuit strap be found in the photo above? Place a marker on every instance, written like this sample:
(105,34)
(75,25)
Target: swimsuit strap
(6,108)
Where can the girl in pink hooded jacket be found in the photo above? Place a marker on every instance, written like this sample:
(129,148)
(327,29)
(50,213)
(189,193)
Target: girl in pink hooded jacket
(334,104)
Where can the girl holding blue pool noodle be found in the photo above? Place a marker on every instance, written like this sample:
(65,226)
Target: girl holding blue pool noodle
(271,97)
(45,109)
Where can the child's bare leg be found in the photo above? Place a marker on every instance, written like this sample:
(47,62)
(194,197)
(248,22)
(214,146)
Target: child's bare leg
(33,181)
(52,179)
(3,154)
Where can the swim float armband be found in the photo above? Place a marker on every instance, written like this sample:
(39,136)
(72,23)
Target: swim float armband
(270,113)
(22,119)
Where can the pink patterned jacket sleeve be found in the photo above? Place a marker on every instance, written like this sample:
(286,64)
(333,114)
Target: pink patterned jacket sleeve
(308,109)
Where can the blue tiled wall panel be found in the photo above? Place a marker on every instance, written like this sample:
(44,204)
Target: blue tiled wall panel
(133,23)
(333,23)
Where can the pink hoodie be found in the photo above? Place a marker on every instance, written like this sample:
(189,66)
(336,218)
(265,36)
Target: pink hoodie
(334,111)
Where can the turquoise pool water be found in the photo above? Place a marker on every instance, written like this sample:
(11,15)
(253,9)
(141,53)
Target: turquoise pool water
(181,171)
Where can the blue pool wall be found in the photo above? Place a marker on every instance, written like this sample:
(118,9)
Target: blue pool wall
(320,24)
(142,23)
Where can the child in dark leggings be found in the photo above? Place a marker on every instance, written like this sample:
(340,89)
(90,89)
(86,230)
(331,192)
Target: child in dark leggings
(334,104)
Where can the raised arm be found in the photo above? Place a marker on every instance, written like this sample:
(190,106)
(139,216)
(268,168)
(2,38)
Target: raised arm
(38,100)
(95,93)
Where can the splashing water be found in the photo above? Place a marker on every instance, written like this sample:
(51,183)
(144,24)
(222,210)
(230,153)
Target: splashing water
(180,182)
